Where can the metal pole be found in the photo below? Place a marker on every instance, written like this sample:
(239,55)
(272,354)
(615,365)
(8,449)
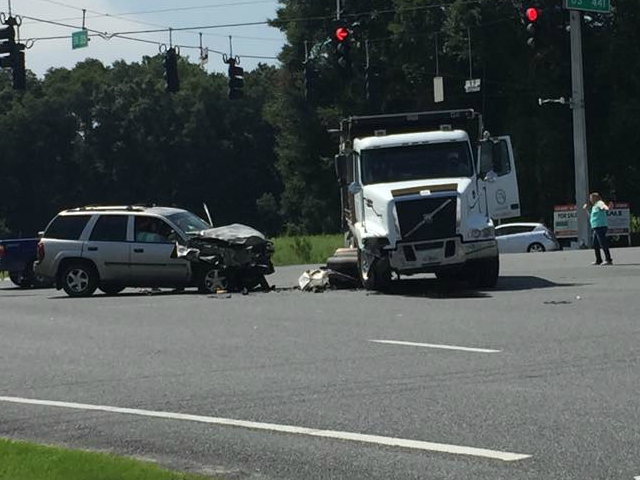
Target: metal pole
(579,128)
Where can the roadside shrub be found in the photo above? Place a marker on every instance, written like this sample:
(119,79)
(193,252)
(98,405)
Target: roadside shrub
(302,248)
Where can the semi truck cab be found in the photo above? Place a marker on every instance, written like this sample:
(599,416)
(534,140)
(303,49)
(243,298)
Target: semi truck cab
(419,195)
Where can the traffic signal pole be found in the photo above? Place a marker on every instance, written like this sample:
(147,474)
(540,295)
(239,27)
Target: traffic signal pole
(579,127)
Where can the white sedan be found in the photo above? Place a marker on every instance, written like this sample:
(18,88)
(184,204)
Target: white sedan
(525,237)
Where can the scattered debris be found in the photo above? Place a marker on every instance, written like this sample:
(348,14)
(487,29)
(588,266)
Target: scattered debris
(320,279)
(314,280)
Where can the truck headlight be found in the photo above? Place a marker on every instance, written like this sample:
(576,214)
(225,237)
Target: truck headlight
(488,232)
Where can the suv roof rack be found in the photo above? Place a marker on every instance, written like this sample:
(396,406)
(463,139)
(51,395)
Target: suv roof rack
(101,208)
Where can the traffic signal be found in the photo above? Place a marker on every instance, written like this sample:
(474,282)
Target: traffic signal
(532,20)
(236,80)
(310,76)
(171,70)
(341,38)
(19,72)
(15,60)
(372,82)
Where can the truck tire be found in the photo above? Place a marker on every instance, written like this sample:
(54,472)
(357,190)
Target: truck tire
(24,279)
(484,273)
(378,277)
(79,279)
(17,279)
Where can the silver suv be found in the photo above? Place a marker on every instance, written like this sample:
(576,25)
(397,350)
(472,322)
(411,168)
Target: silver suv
(111,248)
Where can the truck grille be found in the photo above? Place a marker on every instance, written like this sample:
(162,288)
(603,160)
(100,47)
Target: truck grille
(414,227)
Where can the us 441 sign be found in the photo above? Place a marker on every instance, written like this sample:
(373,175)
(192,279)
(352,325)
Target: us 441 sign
(598,6)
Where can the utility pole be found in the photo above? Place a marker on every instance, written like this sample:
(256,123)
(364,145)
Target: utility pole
(579,127)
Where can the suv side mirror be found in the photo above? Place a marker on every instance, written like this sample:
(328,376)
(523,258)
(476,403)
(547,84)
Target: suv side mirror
(41,234)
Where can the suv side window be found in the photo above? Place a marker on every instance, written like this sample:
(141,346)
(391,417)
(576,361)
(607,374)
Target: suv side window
(67,227)
(110,228)
(152,230)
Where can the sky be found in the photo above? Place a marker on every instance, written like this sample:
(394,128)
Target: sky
(116,16)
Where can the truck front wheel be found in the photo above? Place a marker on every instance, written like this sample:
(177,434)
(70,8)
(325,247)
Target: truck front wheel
(375,272)
(24,279)
(484,273)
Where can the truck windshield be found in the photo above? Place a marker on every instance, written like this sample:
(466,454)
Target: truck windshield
(416,162)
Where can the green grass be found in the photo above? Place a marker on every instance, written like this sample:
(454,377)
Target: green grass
(305,249)
(26,461)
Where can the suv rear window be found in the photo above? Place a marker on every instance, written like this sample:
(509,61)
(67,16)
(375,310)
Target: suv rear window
(110,228)
(67,227)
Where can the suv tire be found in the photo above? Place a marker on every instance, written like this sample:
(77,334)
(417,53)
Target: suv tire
(111,288)
(79,279)
(212,280)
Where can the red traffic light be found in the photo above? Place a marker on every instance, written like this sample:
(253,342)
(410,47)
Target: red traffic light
(341,34)
(532,14)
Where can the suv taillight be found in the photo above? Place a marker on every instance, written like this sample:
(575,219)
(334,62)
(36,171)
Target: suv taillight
(1,251)
(40,251)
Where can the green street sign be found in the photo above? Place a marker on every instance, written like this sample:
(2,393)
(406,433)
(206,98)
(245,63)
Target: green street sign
(79,39)
(598,6)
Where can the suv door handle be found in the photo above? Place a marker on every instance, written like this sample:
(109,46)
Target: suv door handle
(138,250)
(92,249)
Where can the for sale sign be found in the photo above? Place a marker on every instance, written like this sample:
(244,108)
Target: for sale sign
(565,220)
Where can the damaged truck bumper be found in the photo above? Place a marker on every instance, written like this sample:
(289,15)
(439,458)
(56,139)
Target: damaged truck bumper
(440,255)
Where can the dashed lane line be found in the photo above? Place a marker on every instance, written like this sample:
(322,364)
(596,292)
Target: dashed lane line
(272,427)
(433,345)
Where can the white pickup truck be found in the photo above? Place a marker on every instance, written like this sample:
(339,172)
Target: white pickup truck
(419,192)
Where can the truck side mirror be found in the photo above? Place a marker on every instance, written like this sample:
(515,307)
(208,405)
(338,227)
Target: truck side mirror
(340,162)
(355,188)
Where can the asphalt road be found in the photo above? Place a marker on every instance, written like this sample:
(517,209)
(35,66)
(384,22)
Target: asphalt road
(537,379)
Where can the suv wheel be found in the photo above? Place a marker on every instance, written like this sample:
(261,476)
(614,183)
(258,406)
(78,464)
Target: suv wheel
(111,288)
(79,279)
(213,279)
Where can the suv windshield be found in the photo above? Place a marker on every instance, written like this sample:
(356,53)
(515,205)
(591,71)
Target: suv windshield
(416,162)
(188,222)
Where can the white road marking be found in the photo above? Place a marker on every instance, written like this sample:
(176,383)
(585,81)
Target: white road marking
(272,427)
(443,347)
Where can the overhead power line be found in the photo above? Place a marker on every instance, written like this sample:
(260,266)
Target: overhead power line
(122,16)
(127,34)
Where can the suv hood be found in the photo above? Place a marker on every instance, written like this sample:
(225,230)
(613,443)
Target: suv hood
(234,234)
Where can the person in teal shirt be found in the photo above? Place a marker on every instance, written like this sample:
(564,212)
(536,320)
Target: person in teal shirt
(598,219)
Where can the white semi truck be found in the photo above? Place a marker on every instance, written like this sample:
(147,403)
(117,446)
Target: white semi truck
(419,193)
